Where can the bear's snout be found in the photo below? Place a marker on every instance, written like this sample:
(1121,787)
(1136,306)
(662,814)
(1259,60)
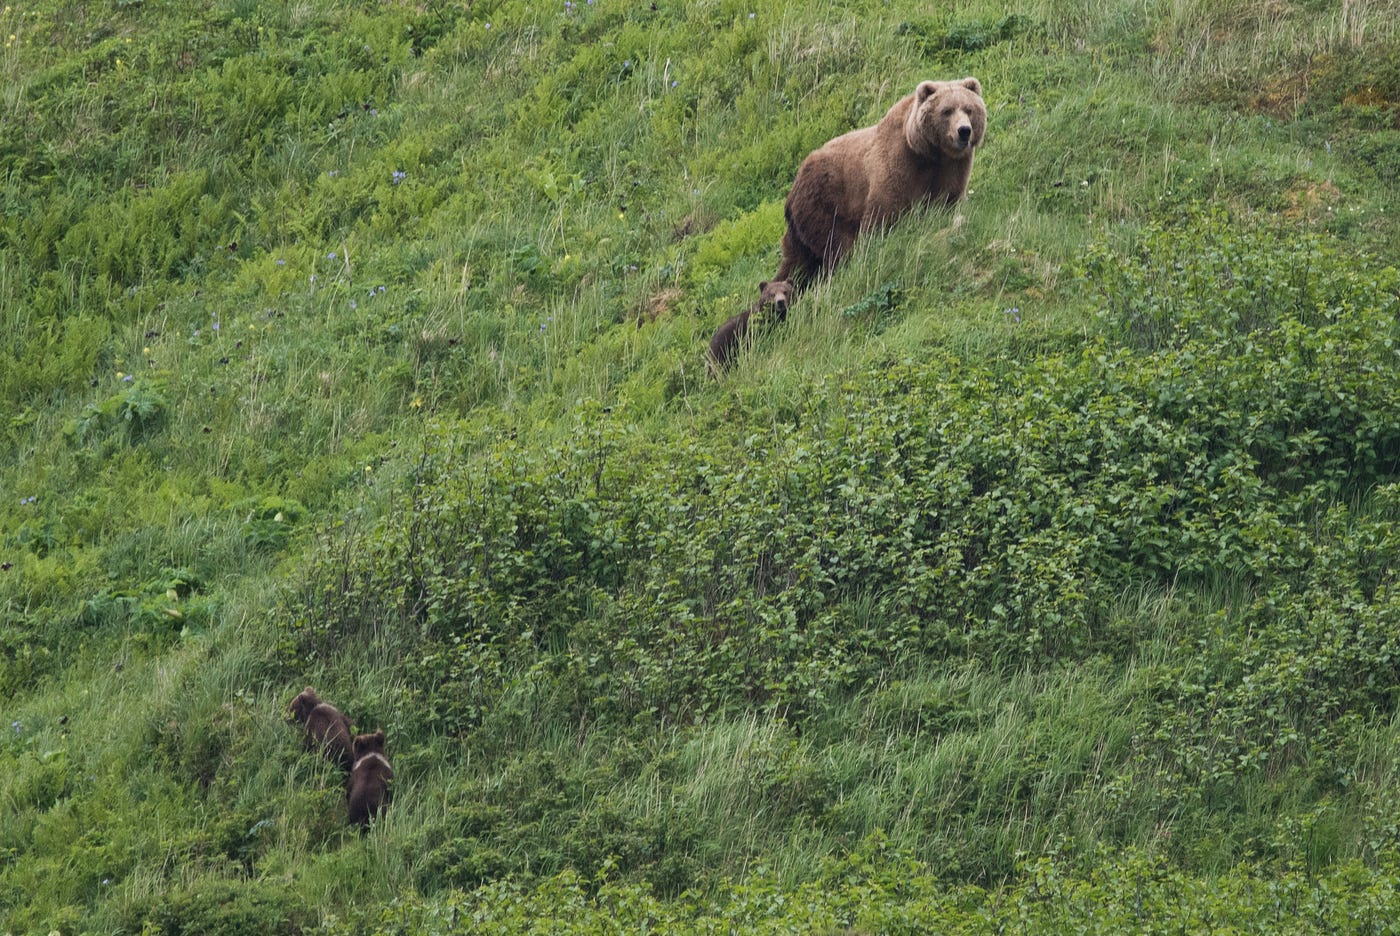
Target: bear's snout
(964,134)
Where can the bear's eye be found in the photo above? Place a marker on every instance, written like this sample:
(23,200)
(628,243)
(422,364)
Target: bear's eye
(947,112)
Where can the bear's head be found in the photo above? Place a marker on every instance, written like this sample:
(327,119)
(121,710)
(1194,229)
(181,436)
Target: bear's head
(369,744)
(776,293)
(948,119)
(303,704)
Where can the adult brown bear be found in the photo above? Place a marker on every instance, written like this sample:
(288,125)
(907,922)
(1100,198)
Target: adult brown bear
(920,152)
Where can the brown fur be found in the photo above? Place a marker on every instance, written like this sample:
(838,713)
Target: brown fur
(368,789)
(774,294)
(327,730)
(920,152)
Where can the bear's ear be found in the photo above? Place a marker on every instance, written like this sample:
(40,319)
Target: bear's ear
(762,285)
(924,91)
(973,85)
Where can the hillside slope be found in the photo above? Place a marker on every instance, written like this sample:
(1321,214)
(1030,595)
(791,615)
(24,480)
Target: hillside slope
(1038,572)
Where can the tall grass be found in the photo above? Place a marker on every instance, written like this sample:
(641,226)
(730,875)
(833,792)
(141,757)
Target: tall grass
(323,241)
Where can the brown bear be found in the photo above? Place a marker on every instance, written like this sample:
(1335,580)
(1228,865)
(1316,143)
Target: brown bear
(327,730)
(919,152)
(368,789)
(775,295)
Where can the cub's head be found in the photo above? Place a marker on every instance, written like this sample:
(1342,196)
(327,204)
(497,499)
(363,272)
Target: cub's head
(948,118)
(301,706)
(776,293)
(369,744)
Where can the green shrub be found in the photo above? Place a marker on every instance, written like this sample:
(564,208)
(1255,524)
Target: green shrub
(877,890)
(1209,276)
(1380,152)
(268,522)
(131,413)
(935,35)
(753,233)
(1095,618)
(228,908)
(159,607)
(1003,510)
(153,234)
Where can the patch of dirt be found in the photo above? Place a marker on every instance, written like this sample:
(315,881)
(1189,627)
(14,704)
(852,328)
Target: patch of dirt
(658,306)
(1310,200)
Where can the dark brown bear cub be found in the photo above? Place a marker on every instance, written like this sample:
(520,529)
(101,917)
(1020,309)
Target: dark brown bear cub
(369,778)
(776,295)
(327,730)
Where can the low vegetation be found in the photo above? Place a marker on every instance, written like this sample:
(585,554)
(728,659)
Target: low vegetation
(1037,572)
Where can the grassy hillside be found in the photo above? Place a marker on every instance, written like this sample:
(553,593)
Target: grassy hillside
(1038,573)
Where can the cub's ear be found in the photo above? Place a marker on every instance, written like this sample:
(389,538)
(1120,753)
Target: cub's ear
(762,285)
(925,90)
(973,85)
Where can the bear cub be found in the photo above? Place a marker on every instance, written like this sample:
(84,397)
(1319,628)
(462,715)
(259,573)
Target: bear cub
(369,778)
(327,729)
(775,295)
(919,153)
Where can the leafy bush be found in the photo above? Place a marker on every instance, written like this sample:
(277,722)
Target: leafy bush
(228,908)
(877,890)
(752,233)
(937,35)
(1118,597)
(268,522)
(133,412)
(879,307)
(1208,276)
(160,605)
(1002,511)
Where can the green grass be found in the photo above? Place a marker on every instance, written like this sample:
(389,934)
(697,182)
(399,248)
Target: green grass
(1036,574)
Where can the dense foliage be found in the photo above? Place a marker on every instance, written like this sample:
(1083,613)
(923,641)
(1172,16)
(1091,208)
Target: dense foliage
(944,508)
(938,513)
(1038,573)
